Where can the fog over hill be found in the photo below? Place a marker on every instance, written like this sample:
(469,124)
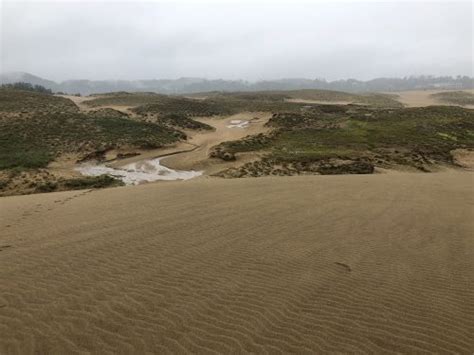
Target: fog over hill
(237,45)
(193,85)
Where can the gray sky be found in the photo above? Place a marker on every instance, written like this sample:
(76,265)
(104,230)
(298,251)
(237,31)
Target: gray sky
(236,40)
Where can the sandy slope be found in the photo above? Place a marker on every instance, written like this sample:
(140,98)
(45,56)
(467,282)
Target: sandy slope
(421,98)
(322,102)
(378,263)
(79,101)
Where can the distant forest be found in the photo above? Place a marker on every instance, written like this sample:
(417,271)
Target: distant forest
(194,85)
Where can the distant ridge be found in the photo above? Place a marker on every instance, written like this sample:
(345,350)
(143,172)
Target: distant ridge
(194,85)
(15,77)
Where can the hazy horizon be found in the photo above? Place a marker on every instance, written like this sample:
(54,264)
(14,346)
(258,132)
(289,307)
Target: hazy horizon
(224,79)
(155,40)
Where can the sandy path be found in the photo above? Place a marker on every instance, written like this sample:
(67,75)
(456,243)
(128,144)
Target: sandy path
(376,263)
(198,159)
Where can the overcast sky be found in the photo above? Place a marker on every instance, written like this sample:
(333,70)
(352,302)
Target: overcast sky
(232,40)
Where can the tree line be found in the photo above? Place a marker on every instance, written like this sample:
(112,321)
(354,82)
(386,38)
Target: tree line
(28,87)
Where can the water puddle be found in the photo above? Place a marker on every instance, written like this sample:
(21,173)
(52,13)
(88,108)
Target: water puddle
(238,124)
(136,173)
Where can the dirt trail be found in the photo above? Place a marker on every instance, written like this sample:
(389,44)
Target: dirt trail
(378,263)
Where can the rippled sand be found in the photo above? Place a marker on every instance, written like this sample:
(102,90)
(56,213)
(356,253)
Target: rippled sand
(318,264)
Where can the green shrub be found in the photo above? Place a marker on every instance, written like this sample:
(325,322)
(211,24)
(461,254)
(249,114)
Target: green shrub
(92,182)
(47,187)
(34,142)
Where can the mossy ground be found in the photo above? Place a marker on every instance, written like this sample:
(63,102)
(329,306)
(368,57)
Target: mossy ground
(35,141)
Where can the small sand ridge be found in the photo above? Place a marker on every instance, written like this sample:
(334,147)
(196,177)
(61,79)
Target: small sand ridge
(422,98)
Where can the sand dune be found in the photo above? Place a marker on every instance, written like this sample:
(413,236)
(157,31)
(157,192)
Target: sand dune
(421,98)
(377,263)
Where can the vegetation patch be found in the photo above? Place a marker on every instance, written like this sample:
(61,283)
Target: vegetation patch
(360,138)
(94,182)
(27,87)
(275,97)
(227,150)
(34,142)
(22,102)
(181,121)
(108,112)
(48,186)
(184,107)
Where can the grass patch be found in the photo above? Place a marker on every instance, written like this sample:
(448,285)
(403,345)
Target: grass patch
(20,101)
(184,107)
(275,97)
(405,136)
(95,182)
(48,186)
(11,158)
(34,142)
(184,122)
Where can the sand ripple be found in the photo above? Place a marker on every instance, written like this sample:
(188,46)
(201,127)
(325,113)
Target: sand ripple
(364,264)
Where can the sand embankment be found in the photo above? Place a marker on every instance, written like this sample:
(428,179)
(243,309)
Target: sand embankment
(375,263)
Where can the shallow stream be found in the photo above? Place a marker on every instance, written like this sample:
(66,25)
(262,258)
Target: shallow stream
(136,173)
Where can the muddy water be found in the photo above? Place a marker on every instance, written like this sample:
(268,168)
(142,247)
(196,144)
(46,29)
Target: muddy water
(139,172)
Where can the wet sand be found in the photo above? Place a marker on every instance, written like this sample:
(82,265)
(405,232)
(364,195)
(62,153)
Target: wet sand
(139,172)
(377,263)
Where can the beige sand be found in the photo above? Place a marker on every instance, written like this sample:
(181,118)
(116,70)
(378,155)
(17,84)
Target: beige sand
(322,102)
(317,264)
(464,158)
(79,101)
(198,159)
(422,98)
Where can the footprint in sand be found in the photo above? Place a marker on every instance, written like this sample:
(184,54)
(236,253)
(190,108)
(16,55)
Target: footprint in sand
(345,266)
